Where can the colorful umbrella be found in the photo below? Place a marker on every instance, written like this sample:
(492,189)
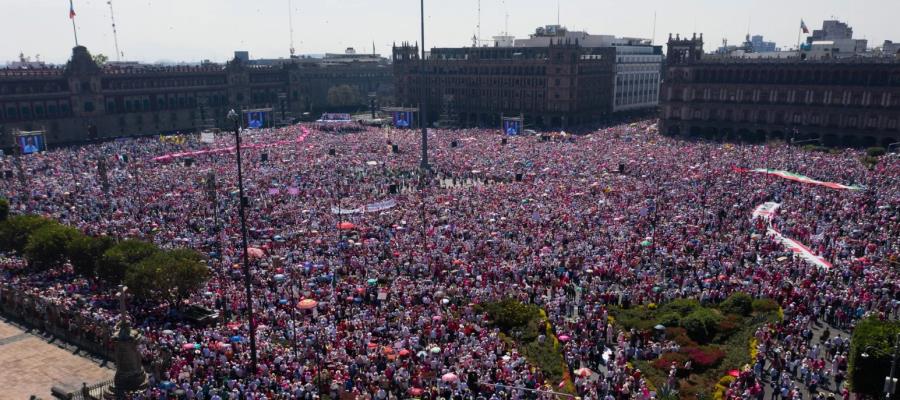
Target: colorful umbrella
(583,372)
(346,226)
(255,252)
(307,304)
(450,377)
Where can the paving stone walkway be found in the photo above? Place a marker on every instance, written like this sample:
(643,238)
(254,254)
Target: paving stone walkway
(31,365)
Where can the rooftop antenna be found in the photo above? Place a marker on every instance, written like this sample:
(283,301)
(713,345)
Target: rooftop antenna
(557,12)
(478,27)
(291,25)
(653,37)
(506,24)
(112,17)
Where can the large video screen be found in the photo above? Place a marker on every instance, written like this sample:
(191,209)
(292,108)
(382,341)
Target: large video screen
(257,119)
(29,144)
(403,119)
(512,127)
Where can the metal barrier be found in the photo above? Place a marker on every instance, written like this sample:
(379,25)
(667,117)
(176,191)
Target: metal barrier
(91,392)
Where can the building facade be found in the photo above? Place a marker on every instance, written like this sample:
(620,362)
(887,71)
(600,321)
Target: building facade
(554,78)
(558,85)
(846,102)
(84,101)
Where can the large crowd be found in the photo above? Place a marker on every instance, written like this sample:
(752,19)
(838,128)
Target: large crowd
(619,215)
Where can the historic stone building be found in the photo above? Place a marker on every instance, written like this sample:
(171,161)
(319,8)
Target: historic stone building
(558,85)
(852,102)
(84,101)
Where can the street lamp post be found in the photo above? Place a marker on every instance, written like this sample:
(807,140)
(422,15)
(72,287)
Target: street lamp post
(243,202)
(423,102)
(890,382)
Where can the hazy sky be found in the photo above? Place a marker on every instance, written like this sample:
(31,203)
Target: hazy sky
(193,30)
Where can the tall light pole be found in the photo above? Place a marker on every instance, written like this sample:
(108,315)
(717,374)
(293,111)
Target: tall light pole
(890,383)
(233,117)
(423,102)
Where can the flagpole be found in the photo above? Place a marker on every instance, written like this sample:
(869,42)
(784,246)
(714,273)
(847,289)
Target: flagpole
(72,17)
(75,32)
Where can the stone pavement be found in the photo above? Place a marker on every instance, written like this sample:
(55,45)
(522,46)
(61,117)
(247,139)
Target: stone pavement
(31,365)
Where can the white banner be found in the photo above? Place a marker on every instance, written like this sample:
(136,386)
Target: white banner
(767,211)
(374,207)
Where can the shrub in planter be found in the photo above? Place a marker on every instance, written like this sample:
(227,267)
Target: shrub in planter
(701,324)
(738,303)
(679,335)
(704,357)
(665,361)
(729,324)
(680,306)
(764,305)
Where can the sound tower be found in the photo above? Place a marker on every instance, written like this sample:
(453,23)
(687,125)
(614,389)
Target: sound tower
(454,144)
(395,149)
(392,189)
(264,157)
(621,168)
(518,177)
(331,152)
(503,141)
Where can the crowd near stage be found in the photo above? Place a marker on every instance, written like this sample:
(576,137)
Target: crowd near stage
(610,263)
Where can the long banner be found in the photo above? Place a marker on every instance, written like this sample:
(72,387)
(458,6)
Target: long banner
(799,178)
(374,207)
(230,149)
(767,211)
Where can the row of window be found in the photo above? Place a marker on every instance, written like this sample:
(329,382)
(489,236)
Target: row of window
(19,112)
(807,119)
(821,76)
(792,96)
(131,83)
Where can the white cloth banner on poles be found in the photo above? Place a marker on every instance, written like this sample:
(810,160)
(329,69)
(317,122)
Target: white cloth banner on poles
(767,211)
(374,207)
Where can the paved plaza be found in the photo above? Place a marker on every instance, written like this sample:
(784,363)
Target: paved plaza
(31,365)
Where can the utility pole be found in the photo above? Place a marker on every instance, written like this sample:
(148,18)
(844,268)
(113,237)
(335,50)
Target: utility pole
(423,102)
(243,203)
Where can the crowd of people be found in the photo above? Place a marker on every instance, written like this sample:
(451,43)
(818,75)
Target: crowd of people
(615,216)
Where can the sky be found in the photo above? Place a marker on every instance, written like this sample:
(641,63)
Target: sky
(195,30)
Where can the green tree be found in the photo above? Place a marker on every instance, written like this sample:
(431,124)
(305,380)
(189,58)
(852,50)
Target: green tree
(876,339)
(85,253)
(701,324)
(116,261)
(170,276)
(876,151)
(738,303)
(14,232)
(100,59)
(4,209)
(342,96)
(46,246)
